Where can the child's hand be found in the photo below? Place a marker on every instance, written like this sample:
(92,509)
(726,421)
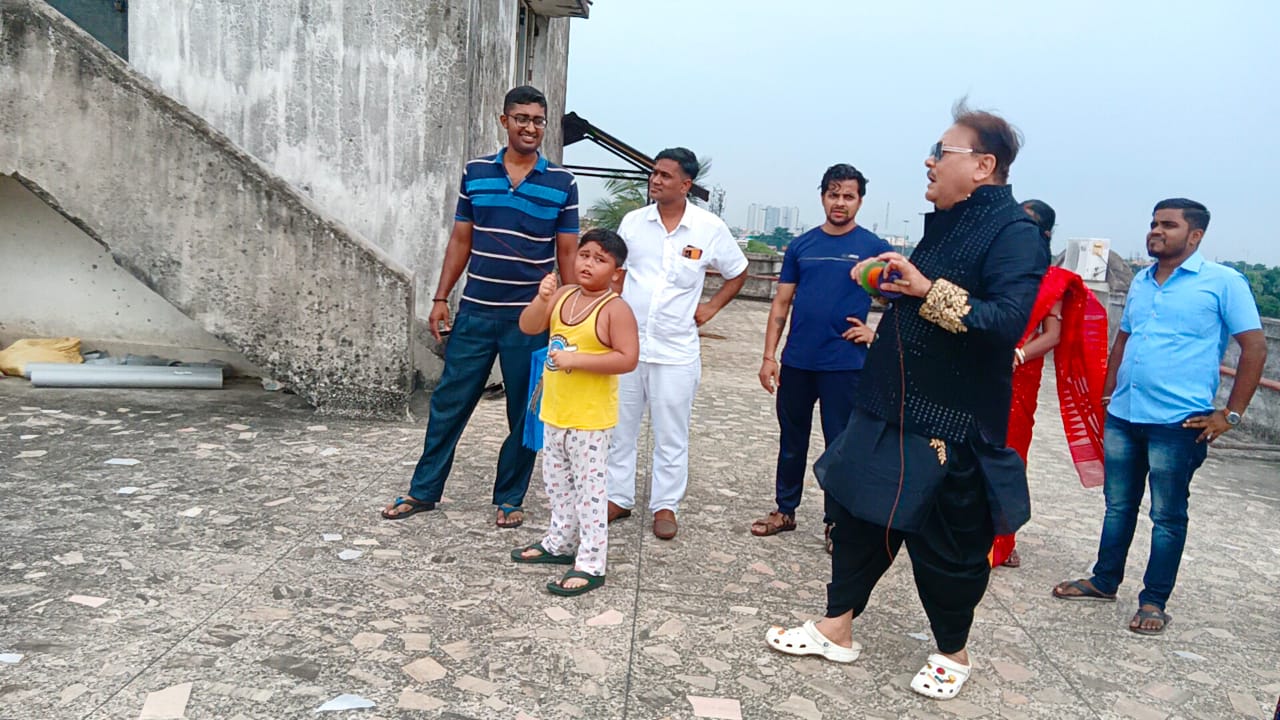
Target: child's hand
(548,286)
(564,359)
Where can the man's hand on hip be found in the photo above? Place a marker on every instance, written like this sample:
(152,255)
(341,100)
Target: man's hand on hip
(703,314)
(1214,424)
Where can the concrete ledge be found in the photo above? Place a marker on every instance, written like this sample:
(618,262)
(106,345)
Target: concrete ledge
(199,221)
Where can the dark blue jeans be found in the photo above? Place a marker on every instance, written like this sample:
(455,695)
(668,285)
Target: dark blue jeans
(478,337)
(797,392)
(1169,455)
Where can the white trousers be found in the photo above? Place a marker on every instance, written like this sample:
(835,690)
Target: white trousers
(667,391)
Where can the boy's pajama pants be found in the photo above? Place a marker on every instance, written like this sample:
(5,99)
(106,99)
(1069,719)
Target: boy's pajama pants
(575,470)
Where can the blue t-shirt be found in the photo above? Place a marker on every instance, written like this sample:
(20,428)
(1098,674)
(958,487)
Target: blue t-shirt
(1177,334)
(818,265)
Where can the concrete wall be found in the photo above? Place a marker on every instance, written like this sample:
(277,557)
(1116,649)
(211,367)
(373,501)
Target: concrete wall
(182,209)
(371,108)
(762,280)
(57,281)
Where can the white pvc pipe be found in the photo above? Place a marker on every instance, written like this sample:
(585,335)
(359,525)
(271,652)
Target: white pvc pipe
(124,376)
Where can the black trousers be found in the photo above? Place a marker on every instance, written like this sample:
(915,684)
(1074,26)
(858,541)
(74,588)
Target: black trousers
(948,554)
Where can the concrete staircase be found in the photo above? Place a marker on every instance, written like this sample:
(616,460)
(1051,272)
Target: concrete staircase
(199,221)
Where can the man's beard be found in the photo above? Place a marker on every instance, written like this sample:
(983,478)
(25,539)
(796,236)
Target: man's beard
(848,220)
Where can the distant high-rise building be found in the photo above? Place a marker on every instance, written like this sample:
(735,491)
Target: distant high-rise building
(755,218)
(772,218)
(764,219)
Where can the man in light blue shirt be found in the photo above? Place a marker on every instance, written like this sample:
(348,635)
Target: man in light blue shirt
(1161,381)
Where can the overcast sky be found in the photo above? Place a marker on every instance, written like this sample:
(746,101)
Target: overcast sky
(1121,103)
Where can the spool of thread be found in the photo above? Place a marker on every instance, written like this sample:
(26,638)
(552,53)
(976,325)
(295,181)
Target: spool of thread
(876,273)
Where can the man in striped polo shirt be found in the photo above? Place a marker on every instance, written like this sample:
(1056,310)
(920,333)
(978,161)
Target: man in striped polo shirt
(517,215)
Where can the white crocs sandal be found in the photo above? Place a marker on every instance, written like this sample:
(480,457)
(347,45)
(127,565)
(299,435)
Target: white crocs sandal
(808,640)
(941,677)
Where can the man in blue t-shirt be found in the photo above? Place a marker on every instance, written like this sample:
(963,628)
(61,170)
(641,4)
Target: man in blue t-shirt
(828,339)
(516,221)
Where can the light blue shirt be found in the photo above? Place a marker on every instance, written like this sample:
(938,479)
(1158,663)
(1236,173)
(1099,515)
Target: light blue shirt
(1177,335)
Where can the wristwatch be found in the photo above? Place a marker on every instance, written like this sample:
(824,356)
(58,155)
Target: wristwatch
(1233,417)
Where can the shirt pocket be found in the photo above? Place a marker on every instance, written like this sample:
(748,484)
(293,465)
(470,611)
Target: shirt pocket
(686,273)
(1199,318)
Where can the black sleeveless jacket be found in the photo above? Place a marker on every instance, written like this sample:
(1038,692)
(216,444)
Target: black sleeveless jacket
(958,385)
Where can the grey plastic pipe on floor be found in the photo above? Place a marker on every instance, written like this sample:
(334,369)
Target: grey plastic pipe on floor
(124,376)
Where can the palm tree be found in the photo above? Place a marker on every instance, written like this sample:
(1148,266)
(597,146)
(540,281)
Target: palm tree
(624,196)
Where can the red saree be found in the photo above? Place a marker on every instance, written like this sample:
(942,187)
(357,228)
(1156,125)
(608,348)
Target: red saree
(1081,362)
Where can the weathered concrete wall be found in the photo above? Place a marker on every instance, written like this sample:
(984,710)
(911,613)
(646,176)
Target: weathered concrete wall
(204,225)
(369,108)
(57,281)
(551,74)
(762,280)
(354,104)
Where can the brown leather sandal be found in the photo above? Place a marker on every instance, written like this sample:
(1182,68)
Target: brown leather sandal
(775,523)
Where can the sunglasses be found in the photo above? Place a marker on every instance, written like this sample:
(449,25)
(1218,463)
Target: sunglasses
(936,152)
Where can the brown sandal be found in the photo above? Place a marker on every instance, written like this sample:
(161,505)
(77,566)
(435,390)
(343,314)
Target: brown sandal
(775,523)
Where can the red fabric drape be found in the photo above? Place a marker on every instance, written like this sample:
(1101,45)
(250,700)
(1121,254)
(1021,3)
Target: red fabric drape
(1081,362)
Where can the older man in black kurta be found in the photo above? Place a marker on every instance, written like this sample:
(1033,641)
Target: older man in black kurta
(923,459)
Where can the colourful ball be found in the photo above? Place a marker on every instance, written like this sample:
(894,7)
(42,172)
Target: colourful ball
(875,273)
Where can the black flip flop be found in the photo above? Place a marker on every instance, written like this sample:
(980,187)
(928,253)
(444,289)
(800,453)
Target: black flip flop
(1087,592)
(542,558)
(415,507)
(1164,617)
(593,582)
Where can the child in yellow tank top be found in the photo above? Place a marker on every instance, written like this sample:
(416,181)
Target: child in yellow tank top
(593,340)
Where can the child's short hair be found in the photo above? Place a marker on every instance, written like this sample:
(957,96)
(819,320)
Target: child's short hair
(611,241)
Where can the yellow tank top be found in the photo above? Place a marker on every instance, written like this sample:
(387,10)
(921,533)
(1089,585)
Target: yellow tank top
(578,399)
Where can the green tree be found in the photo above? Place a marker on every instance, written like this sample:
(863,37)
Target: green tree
(778,238)
(624,196)
(1265,284)
(759,246)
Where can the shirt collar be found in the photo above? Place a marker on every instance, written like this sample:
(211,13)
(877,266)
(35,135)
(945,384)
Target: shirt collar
(1192,264)
(651,213)
(539,166)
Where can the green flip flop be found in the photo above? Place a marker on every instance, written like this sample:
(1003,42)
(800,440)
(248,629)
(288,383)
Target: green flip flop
(542,558)
(558,588)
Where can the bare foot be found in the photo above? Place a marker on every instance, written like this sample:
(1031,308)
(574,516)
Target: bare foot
(961,657)
(838,630)
(572,583)
(1149,620)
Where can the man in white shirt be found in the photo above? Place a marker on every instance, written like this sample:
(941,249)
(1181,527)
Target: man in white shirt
(670,246)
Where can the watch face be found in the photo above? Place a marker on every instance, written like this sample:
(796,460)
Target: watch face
(1233,418)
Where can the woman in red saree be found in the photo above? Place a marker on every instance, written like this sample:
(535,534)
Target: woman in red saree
(1068,321)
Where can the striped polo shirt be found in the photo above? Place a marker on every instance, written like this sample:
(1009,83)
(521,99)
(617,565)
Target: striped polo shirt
(513,242)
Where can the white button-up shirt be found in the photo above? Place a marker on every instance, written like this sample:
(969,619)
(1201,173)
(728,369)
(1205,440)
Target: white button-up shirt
(665,273)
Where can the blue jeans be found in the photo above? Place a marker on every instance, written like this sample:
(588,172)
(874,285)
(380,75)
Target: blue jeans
(798,391)
(478,337)
(1169,455)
